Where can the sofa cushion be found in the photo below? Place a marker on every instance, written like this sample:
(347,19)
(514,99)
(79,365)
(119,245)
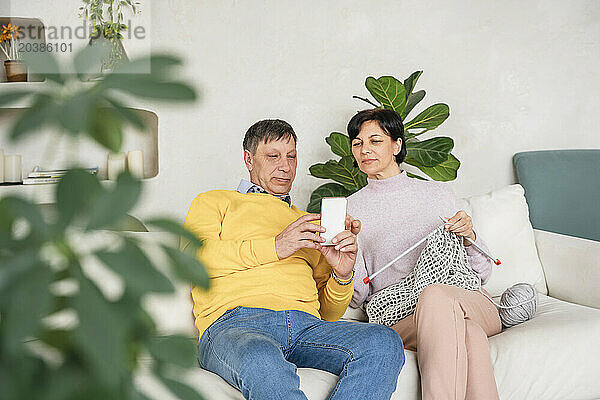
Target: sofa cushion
(553,356)
(315,384)
(550,357)
(501,220)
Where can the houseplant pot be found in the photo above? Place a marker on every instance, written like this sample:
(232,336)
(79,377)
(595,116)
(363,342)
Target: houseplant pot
(16,71)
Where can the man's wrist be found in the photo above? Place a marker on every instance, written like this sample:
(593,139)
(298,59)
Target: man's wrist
(344,279)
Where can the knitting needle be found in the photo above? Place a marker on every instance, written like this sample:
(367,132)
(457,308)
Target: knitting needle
(495,260)
(368,278)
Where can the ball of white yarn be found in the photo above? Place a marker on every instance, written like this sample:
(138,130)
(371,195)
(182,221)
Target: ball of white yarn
(518,304)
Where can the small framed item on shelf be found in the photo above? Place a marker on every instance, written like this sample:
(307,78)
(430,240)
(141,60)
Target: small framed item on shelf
(17,37)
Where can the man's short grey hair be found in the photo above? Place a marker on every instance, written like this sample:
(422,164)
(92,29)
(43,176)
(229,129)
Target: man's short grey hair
(265,131)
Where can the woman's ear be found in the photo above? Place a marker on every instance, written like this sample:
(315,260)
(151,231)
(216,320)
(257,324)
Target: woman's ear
(397,146)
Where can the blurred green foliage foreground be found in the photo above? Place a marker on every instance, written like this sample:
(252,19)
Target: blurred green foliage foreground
(43,257)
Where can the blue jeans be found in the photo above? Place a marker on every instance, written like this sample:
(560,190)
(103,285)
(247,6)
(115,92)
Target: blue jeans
(258,350)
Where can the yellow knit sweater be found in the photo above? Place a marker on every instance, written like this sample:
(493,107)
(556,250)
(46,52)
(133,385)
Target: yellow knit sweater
(239,253)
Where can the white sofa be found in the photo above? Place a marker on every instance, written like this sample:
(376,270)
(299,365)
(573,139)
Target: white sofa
(554,356)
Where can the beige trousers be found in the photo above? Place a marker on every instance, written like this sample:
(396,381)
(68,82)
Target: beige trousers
(449,331)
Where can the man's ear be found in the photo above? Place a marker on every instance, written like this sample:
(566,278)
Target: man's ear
(248,160)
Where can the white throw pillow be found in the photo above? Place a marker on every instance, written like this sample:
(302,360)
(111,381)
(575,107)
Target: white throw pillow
(501,220)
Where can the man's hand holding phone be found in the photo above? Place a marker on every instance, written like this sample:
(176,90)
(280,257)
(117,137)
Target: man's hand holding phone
(302,233)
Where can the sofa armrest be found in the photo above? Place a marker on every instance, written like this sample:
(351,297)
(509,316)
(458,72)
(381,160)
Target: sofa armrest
(571,266)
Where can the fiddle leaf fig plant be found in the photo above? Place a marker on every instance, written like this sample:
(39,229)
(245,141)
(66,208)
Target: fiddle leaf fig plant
(63,334)
(432,156)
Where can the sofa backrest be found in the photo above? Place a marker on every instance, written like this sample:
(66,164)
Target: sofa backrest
(501,220)
(562,188)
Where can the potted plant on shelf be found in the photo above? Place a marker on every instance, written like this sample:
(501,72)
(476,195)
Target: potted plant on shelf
(16,70)
(106,18)
(431,156)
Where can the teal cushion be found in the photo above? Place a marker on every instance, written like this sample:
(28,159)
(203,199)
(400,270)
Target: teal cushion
(562,188)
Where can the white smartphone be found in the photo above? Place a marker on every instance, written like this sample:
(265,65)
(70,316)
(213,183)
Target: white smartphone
(333,217)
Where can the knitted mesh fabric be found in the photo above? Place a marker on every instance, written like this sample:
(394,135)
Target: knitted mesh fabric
(443,260)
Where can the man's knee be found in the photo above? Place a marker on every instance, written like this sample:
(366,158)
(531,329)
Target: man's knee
(385,345)
(256,350)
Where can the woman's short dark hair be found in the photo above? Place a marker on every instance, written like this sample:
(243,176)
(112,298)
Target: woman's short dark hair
(266,131)
(389,121)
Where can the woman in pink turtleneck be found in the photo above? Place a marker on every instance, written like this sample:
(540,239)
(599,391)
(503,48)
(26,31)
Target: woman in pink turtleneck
(450,326)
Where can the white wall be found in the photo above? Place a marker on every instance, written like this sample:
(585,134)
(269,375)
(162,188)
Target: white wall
(517,76)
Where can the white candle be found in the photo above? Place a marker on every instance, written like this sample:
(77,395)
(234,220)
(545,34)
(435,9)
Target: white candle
(116,164)
(1,166)
(135,163)
(12,168)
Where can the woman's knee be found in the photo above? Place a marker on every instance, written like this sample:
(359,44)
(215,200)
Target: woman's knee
(436,295)
(475,335)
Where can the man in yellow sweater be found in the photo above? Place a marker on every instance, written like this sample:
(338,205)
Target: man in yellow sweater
(275,291)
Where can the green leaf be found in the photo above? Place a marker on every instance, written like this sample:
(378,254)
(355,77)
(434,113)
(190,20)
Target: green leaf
(151,89)
(100,335)
(415,176)
(19,207)
(389,91)
(42,111)
(106,129)
(446,171)
(13,97)
(159,66)
(63,383)
(60,339)
(411,82)
(75,193)
(326,190)
(180,390)
(136,269)
(175,228)
(89,59)
(330,190)
(111,206)
(339,143)
(75,111)
(342,171)
(175,349)
(413,100)
(430,118)
(29,302)
(429,152)
(137,395)
(127,114)
(13,268)
(187,267)
(43,63)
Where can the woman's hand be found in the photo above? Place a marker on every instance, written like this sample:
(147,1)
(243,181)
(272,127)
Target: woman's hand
(463,226)
(342,256)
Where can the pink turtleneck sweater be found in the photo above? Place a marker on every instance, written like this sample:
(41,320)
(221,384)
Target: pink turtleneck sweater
(396,213)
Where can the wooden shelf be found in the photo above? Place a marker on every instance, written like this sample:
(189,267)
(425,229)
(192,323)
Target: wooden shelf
(40,194)
(50,150)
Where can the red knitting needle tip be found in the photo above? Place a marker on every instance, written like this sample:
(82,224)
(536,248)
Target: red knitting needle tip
(497,262)
(366,280)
